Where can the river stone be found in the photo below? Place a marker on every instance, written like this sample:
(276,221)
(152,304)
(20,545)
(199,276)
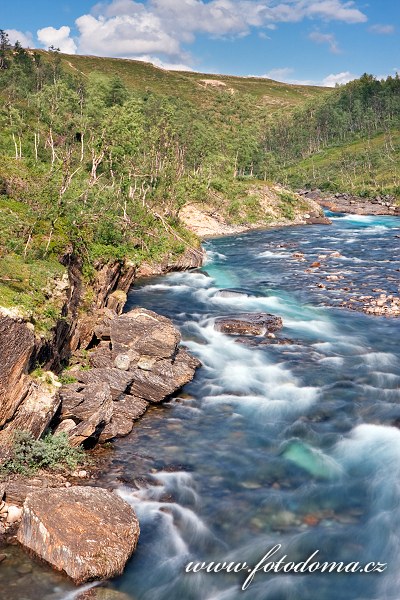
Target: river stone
(88,532)
(248,324)
(122,362)
(233,293)
(102,593)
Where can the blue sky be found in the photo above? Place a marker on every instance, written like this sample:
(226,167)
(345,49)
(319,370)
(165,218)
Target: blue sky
(306,41)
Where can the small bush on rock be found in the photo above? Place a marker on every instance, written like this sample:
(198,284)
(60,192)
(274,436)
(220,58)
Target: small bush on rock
(51,453)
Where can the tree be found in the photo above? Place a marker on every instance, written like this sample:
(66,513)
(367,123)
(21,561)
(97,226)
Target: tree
(5,47)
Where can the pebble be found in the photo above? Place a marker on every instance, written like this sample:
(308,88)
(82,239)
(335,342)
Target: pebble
(14,514)
(122,362)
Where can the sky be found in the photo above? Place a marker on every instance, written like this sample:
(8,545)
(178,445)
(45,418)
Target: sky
(322,42)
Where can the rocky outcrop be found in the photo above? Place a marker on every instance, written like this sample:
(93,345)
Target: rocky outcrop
(17,345)
(248,324)
(137,361)
(348,203)
(89,533)
(84,323)
(192,258)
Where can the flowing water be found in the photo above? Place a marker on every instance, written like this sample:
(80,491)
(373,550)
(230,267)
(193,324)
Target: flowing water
(291,444)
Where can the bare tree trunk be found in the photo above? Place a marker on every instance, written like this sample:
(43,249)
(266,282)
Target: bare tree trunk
(15,145)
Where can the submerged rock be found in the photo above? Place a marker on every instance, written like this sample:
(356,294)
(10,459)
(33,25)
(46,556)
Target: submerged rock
(311,460)
(88,532)
(248,324)
(234,293)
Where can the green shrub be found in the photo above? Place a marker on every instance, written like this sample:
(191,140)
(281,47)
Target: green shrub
(51,453)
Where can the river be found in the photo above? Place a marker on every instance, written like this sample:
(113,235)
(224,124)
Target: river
(292,444)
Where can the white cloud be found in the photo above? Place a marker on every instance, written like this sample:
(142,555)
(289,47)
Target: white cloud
(125,35)
(161,28)
(59,38)
(338,79)
(382,29)
(285,74)
(325,38)
(25,38)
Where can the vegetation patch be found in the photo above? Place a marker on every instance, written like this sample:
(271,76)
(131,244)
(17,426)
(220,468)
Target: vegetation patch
(51,453)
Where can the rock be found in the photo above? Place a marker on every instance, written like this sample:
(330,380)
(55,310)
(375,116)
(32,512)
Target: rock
(232,293)
(248,324)
(165,378)
(315,265)
(125,412)
(34,414)
(117,380)
(18,487)
(146,333)
(65,427)
(14,514)
(313,461)
(101,357)
(102,593)
(318,221)
(88,532)
(146,363)
(116,301)
(93,414)
(122,362)
(17,343)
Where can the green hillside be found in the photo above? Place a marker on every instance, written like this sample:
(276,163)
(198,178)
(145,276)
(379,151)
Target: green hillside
(99,156)
(348,141)
(365,167)
(200,88)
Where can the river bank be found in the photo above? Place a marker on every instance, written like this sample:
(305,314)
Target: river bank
(295,256)
(354,205)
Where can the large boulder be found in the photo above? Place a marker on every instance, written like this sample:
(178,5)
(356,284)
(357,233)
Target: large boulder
(248,324)
(144,332)
(91,410)
(88,532)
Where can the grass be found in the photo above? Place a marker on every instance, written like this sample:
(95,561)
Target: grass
(25,286)
(141,76)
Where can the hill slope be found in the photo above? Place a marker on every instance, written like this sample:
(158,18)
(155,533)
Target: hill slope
(199,88)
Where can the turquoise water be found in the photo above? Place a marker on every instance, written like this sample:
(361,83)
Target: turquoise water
(292,445)
(295,445)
